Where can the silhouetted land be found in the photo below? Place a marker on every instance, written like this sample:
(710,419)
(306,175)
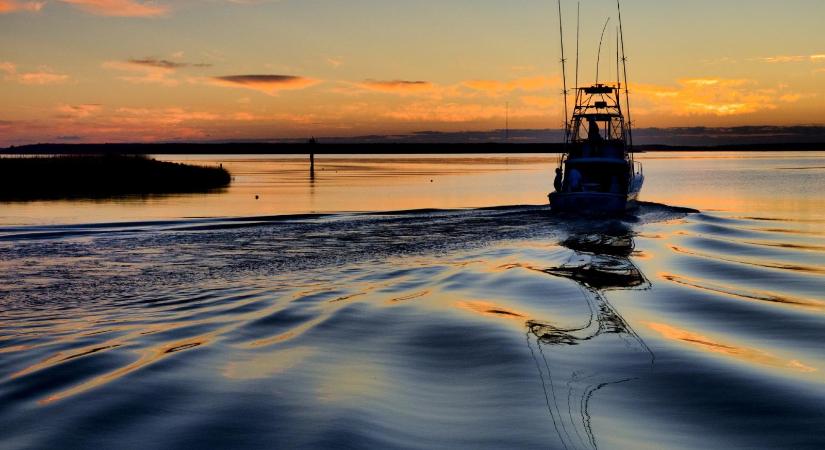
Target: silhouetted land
(359,148)
(100,176)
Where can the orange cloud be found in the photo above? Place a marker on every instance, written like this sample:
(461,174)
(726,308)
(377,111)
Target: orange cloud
(10,6)
(268,84)
(94,123)
(541,102)
(8,68)
(456,112)
(162,116)
(444,112)
(119,8)
(709,96)
(42,78)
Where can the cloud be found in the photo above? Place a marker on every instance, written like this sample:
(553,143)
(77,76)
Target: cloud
(145,71)
(541,102)
(160,63)
(496,88)
(792,58)
(43,76)
(119,8)
(268,84)
(710,97)
(165,63)
(10,6)
(396,86)
(162,116)
(444,112)
(78,111)
(96,123)
(8,68)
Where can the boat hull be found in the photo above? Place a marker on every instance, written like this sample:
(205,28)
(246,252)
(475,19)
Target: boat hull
(591,202)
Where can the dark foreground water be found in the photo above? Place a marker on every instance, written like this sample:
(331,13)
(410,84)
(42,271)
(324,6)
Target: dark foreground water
(503,327)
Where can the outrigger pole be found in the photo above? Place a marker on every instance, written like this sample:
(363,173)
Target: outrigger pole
(624,65)
(578,35)
(599,56)
(618,72)
(564,78)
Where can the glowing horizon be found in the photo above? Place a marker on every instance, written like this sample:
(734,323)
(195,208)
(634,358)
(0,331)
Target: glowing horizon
(129,70)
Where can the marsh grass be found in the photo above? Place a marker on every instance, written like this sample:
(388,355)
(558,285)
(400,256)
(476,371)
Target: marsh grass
(102,176)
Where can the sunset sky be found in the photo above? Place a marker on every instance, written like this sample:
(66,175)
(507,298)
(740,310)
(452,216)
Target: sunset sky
(129,70)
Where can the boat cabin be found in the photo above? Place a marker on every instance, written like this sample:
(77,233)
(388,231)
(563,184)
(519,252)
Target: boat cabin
(596,159)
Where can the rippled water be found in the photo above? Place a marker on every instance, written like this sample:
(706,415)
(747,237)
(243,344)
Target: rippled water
(504,327)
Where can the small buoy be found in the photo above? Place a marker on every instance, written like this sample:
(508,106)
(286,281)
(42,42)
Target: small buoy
(256,197)
(431,181)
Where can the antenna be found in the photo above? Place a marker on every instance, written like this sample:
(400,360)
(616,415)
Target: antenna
(599,57)
(507,122)
(624,64)
(618,91)
(564,77)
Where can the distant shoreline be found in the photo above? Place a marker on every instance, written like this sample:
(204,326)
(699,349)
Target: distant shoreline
(262,148)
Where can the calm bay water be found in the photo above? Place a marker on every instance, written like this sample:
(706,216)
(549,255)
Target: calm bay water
(315,316)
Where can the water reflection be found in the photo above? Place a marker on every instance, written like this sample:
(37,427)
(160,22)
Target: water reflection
(565,356)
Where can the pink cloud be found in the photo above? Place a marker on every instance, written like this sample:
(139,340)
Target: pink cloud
(42,77)
(120,8)
(78,111)
(397,86)
(268,84)
(143,73)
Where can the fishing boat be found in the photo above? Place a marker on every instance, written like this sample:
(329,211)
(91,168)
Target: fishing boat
(597,173)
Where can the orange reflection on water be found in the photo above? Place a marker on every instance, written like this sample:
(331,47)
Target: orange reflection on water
(743,294)
(705,343)
(760,263)
(147,356)
(490,309)
(268,364)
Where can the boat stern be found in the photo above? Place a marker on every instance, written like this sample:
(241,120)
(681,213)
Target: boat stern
(588,202)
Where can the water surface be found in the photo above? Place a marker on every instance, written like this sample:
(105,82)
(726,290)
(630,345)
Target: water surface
(219,321)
